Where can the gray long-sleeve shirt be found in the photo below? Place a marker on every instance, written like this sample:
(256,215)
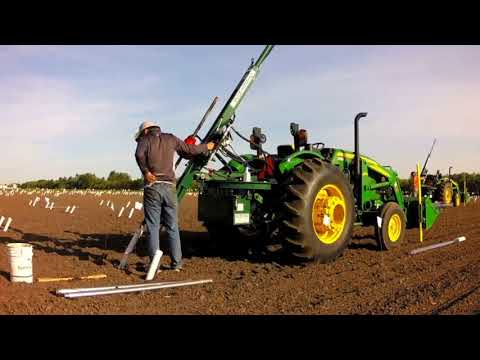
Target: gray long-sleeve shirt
(155,153)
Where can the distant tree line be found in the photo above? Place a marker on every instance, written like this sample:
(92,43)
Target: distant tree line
(123,181)
(115,181)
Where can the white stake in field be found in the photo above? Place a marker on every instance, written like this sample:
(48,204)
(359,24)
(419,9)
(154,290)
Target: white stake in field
(7,224)
(121,211)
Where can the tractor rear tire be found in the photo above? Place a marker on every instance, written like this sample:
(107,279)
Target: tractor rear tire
(445,192)
(318,212)
(391,232)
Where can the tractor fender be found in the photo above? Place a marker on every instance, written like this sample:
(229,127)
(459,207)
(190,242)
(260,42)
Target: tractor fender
(296,159)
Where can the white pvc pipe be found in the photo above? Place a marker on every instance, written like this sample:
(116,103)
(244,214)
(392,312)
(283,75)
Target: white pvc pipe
(68,209)
(436,246)
(121,211)
(73,209)
(129,290)
(152,270)
(71,291)
(101,203)
(131,213)
(2,219)
(7,224)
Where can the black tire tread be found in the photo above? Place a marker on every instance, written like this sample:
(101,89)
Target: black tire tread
(299,188)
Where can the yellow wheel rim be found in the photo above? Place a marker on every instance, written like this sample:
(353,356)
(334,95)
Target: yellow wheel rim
(329,214)
(448,196)
(457,200)
(394,227)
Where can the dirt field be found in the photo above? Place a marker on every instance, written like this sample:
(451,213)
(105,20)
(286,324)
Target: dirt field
(363,281)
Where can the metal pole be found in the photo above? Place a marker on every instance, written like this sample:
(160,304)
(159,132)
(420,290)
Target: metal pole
(130,247)
(195,133)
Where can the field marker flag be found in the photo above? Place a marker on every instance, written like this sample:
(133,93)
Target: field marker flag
(420,215)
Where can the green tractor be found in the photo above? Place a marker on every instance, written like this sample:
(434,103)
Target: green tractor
(438,188)
(442,189)
(306,197)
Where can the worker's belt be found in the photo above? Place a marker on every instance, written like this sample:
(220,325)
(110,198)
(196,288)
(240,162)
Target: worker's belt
(160,182)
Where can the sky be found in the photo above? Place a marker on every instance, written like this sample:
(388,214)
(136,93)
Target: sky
(67,110)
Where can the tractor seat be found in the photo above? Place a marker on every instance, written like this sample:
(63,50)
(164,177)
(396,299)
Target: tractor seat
(284,151)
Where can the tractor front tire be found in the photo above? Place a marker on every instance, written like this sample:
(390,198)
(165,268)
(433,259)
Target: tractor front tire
(318,212)
(457,199)
(446,193)
(391,232)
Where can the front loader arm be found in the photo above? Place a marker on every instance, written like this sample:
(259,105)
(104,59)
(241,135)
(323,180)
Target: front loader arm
(222,124)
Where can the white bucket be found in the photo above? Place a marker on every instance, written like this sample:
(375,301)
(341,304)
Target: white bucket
(20,262)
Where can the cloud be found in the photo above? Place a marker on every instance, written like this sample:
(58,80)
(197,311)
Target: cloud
(412,95)
(75,108)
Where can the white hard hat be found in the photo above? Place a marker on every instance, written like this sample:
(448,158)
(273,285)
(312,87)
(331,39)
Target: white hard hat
(143,126)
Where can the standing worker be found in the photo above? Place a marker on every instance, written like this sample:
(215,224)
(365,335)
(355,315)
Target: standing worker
(414,182)
(154,155)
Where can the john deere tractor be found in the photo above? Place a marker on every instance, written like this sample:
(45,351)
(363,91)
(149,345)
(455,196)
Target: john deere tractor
(306,196)
(440,188)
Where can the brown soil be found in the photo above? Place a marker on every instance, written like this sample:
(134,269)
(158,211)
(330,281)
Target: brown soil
(362,281)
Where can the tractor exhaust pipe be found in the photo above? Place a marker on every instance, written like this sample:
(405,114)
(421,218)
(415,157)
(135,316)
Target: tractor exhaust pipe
(358,168)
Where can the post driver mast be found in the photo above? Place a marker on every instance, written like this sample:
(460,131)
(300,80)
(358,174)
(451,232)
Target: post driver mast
(219,133)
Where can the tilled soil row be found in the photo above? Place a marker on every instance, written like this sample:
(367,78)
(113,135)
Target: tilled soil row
(363,281)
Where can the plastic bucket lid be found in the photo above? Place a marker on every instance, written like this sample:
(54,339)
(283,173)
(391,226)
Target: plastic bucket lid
(19,249)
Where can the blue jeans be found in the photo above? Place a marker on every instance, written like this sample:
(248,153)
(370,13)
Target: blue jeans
(160,207)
